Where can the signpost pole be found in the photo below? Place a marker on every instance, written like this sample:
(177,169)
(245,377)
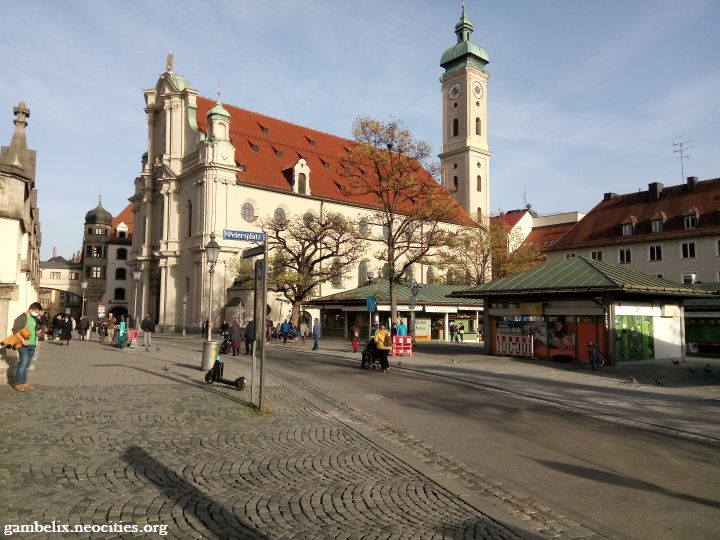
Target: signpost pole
(261,342)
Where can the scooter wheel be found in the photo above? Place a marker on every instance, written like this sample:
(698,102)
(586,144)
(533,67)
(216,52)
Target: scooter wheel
(208,377)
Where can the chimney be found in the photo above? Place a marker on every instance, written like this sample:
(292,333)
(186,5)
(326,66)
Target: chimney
(654,190)
(55,252)
(692,182)
(609,196)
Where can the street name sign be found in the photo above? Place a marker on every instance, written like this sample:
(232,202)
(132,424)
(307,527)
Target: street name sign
(243,236)
(253,252)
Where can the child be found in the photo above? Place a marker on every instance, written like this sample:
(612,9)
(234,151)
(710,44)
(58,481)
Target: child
(355,339)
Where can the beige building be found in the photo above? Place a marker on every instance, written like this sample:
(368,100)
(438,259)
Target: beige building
(669,232)
(60,290)
(19,226)
(211,169)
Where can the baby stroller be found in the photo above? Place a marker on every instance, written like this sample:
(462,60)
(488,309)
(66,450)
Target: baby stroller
(370,356)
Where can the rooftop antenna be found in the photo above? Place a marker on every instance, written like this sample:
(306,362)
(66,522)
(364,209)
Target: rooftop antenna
(525,197)
(681,149)
(218,91)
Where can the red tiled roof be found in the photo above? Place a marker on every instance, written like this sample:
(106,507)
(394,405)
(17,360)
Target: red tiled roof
(544,237)
(266,147)
(512,217)
(602,224)
(127,217)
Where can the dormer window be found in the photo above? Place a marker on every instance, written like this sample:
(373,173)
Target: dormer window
(628,225)
(265,129)
(311,142)
(691,218)
(278,153)
(253,146)
(657,222)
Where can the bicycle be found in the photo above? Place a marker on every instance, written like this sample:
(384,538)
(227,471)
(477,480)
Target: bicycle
(597,359)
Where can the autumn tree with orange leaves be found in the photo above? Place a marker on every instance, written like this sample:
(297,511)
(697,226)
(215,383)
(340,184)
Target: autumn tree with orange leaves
(391,168)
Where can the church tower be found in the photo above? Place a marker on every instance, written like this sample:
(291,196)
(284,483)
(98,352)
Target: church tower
(465,156)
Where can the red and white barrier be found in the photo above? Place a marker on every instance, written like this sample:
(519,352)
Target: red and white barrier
(514,344)
(402,346)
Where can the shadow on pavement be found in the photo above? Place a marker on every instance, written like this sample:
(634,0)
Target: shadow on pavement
(209,512)
(607,477)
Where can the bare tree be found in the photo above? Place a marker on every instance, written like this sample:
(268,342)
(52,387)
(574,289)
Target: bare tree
(482,252)
(389,169)
(309,250)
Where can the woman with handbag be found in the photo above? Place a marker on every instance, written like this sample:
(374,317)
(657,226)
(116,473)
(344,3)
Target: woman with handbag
(383,340)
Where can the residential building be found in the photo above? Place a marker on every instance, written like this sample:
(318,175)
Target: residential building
(60,290)
(668,232)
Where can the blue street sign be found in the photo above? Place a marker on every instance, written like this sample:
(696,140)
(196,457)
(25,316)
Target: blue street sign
(371,303)
(243,236)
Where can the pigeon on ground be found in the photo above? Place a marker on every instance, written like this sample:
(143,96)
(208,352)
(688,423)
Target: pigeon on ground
(166,368)
(452,360)
(692,370)
(676,362)
(633,379)
(707,370)
(659,382)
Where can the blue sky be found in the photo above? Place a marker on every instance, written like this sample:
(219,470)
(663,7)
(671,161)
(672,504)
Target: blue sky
(585,96)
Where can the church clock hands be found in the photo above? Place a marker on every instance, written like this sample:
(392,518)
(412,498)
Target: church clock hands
(455,91)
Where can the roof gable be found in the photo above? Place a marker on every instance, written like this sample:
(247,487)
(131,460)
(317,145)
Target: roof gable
(266,148)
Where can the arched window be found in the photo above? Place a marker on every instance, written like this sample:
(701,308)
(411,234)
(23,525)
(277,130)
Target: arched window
(455,183)
(120,293)
(89,230)
(455,127)
(363,227)
(479,182)
(478,126)
(308,218)
(120,273)
(122,254)
(302,184)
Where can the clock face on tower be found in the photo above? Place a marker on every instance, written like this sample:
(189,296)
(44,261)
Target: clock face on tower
(455,91)
(477,89)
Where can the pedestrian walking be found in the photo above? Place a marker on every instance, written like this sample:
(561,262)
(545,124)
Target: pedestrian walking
(355,337)
(66,330)
(235,333)
(461,332)
(56,327)
(249,337)
(285,331)
(44,323)
(268,329)
(83,328)
(148,327)
(29,321)
(383,342)
(110,328)
(205,326)
(303,331)
(316,334)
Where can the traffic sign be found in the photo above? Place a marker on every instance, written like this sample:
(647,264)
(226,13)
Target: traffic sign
(101,311)
(415,289)
(243,236)
(371,303)
(253,252)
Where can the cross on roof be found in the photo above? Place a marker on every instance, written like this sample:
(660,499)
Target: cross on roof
(22,113)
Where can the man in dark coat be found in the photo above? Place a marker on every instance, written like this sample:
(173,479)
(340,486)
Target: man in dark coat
(249,337)
(66,331)
(148,327)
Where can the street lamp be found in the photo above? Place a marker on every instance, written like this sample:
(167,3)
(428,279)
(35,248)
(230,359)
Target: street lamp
(137,276)
(184,312)
(83,286)
(212,250)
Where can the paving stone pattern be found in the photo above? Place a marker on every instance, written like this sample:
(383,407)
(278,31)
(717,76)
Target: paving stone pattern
(200,461)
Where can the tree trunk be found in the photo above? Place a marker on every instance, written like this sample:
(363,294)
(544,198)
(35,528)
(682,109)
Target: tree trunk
(295,315)
(393,301)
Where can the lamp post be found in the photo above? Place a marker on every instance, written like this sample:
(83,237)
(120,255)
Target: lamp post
(184,312)
(137,276)
(212,250)
(83,286)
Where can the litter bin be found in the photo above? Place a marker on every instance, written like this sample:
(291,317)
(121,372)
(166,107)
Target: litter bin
(210,349)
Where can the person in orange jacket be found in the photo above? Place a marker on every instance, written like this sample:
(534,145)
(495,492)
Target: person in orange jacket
(383,340)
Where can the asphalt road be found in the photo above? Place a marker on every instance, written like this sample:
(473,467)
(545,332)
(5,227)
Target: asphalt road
(617,480)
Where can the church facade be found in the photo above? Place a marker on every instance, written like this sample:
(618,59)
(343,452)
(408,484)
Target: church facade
(212,168)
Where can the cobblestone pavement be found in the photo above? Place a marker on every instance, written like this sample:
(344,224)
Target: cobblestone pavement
(199,460)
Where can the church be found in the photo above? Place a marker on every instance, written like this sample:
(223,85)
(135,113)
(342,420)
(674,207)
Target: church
(211,168)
